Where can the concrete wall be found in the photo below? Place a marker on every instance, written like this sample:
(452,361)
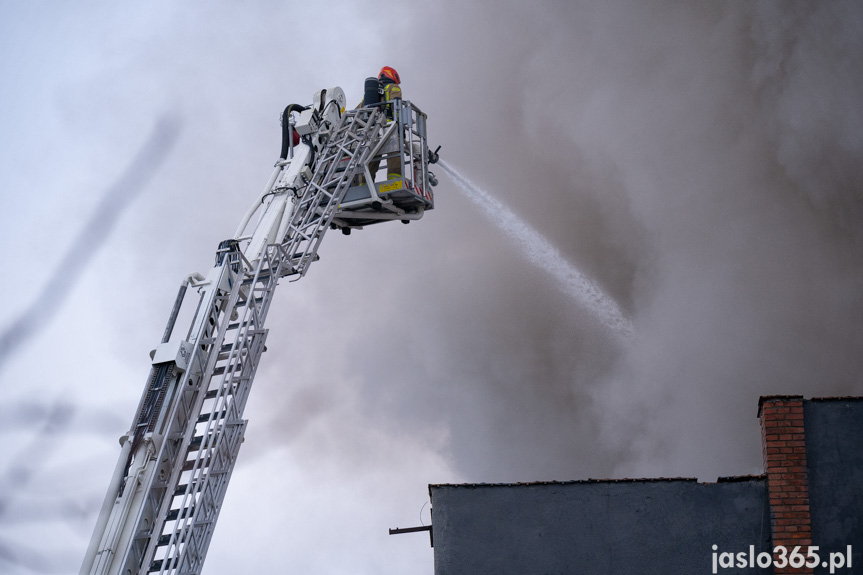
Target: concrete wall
(834,461)
(642,527)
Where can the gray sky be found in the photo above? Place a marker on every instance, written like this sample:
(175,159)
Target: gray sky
(700,161)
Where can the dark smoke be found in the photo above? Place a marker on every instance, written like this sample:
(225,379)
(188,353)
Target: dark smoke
(701,161)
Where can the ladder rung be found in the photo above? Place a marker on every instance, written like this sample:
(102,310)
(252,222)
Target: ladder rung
(174,513)
(221,370)
(264,276)
(206,416)
(196,442)
(215,392)
(188,465)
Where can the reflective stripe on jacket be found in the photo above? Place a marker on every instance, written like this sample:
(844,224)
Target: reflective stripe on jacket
(392,91)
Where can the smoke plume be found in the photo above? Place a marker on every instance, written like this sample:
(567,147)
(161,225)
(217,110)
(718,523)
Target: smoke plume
(701,161)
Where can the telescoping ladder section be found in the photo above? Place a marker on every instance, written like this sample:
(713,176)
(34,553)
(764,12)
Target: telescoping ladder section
(348,149)
(206,428)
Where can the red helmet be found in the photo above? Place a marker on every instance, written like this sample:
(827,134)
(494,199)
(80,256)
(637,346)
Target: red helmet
(387,72)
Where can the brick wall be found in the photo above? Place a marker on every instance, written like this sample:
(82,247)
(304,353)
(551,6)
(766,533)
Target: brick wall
(783,445)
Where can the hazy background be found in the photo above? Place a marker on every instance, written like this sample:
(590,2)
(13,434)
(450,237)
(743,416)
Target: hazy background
(701,161)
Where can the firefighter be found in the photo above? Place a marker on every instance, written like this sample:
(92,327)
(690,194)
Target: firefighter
(388,82)
(389,79)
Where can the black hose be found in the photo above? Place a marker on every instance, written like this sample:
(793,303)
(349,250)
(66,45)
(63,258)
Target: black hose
(339,110)
(307,140)
(286,128)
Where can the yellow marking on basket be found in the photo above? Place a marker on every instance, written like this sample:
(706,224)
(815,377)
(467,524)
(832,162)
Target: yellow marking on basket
(397,185)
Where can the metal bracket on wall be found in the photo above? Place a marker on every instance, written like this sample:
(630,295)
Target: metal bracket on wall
(399,531)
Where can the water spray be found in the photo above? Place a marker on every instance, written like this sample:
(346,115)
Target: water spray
(541,253)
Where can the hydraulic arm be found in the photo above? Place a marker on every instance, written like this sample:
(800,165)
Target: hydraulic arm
(176,460)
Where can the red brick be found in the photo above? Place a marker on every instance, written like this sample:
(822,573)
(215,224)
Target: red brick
(783,446)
